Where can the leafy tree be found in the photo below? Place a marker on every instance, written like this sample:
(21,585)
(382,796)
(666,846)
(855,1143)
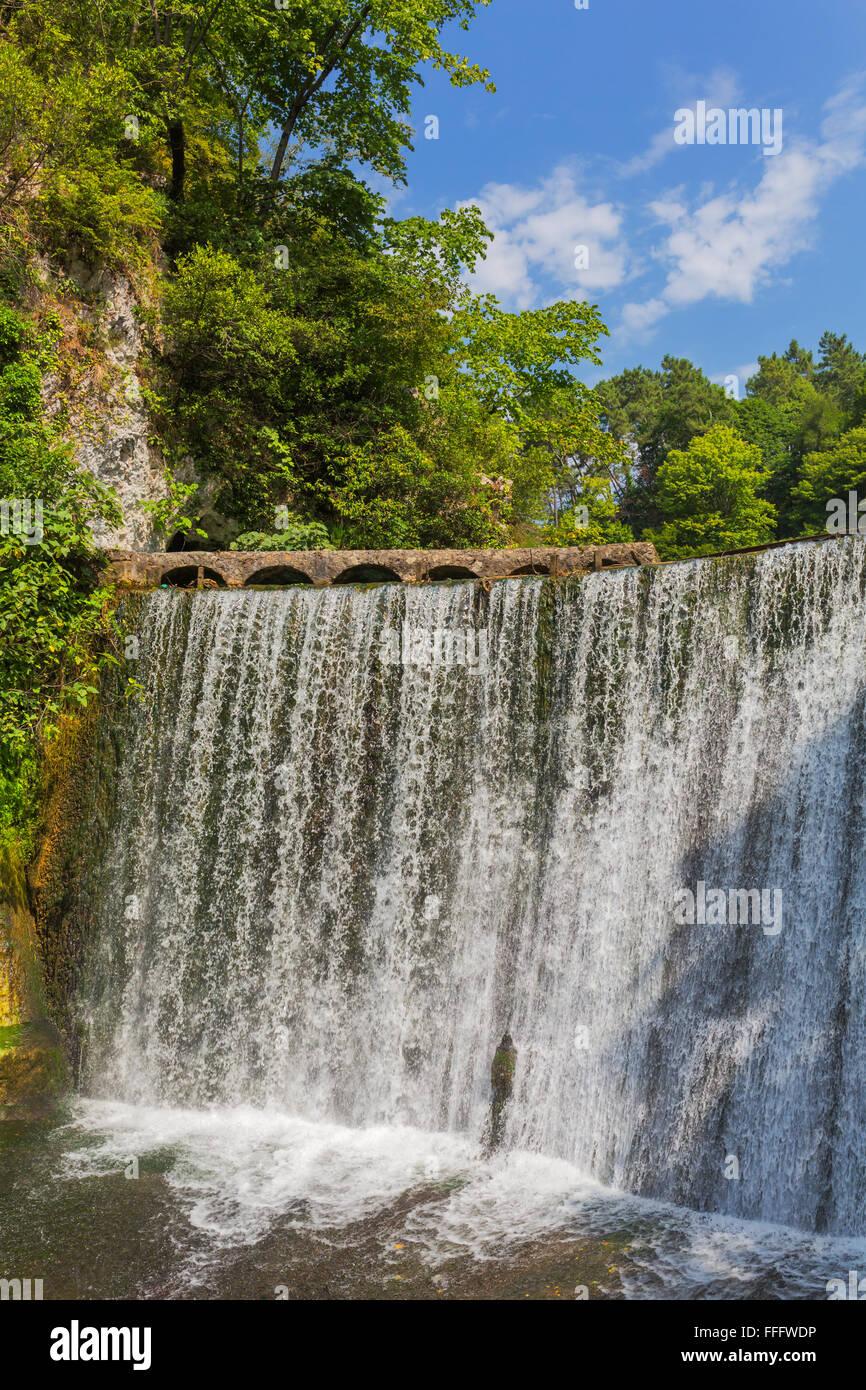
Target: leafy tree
(841,374)
(592,518)
(355,378)
(775,430)
(652,413)
(831,473)
(708,497)
(792,399)
(209,80)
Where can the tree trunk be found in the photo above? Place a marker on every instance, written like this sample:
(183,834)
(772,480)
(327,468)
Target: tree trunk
(177,145)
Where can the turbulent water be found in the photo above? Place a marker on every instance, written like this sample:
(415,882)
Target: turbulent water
(360,832)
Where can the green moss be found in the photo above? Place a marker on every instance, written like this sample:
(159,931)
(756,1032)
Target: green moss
(10,1037)
(33,1069)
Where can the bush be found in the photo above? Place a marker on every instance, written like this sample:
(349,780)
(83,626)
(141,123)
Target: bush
(707,495)
(105,208)
(298,535)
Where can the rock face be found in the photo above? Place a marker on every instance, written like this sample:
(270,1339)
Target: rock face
(110,434)
(32,1069)
(501,1082)
(32,1065)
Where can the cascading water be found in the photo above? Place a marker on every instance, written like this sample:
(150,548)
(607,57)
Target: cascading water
(360,832)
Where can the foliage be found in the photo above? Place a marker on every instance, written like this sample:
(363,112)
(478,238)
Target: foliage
(797,406)
(169,514)
(832,473)
(54,617)
(296,535)
(707,495)
(652,413)
(103,208)
(355,379)
(591,518)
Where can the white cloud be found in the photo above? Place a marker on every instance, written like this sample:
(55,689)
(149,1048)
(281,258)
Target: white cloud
(537,232)
(638,319)
(727,245)
(714,243)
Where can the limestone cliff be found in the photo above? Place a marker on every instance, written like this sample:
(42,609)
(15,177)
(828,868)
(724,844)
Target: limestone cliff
(100,386)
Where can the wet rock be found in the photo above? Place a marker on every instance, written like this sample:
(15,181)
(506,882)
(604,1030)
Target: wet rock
(32,1068)
(501,1081)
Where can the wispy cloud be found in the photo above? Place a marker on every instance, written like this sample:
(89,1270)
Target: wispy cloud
(727,246)
(703,242)
(718,88)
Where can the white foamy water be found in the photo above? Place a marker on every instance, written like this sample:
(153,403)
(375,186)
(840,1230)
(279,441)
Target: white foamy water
(334,880)
(238,1175)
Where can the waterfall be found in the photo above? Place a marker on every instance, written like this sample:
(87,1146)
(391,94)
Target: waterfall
(360,832)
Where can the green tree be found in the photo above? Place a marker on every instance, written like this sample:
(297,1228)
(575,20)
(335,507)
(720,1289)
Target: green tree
(831,473)
(841,374)
(708,497)
(355,379)
(208,81)
(652,413)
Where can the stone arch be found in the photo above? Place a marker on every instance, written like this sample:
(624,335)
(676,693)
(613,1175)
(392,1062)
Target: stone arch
(530,569)
(450,572)
(368,574)
(283,575)
(186,577)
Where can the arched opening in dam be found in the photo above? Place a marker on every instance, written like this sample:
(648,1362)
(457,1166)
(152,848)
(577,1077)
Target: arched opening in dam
(530,569)
(367,574)
(440,572)
(276,576)
(188,576)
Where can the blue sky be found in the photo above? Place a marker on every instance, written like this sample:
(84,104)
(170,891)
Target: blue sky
(712,252)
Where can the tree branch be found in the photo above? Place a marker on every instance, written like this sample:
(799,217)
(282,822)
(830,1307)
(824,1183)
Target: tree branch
(312,85)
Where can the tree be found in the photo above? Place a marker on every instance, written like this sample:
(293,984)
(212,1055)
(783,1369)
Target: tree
(651,413)
(328,81)
(829,474)
(212,78)
(707,495)
(841,374)
(363,385)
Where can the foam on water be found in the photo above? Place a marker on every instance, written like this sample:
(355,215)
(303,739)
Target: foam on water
(240,1174)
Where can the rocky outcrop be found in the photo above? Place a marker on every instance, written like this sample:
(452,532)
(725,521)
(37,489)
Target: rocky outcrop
(32,1062)
(501,1085)
(108,420)
(32,1068)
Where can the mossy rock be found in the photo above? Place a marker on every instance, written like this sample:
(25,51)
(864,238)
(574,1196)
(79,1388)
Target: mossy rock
(32,1068)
